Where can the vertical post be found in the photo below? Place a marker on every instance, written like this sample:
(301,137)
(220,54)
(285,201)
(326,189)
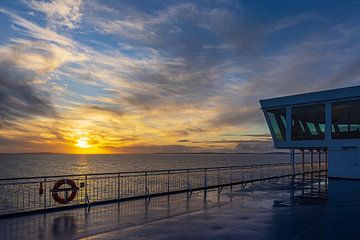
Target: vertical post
(118,186)
(45,192)
(326,160)
(328,121)
(328,128)
(319,161)
(292,158)
(311,160)
(288,124)
(231,177)
(86,193)
(205,186)
(187,181)
(145,187)
(168,181)
(205,179)
(303,160)
(218,177)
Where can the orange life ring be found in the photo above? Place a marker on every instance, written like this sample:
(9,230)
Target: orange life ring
(56,189)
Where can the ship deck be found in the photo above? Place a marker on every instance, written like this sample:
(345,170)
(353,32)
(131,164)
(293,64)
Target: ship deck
(277,209)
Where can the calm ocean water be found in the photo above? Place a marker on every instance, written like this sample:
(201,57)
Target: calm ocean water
(26,165)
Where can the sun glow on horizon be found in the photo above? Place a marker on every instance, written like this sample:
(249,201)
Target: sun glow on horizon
(83,142)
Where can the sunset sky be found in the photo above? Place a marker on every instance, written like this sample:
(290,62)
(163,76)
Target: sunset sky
(135,76)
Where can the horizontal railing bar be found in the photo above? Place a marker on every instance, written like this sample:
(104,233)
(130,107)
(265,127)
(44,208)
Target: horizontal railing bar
(152,171)
(59,208)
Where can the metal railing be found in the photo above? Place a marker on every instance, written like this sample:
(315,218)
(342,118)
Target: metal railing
(21,195)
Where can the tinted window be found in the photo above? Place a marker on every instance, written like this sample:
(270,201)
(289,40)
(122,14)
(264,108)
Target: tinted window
(308,122)
(277,119)
(346,120)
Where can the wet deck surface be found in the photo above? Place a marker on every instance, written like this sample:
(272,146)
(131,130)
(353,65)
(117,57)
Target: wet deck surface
(273,210)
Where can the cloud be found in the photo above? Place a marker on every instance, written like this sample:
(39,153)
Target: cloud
(184,69)
(25,66)
(349,72)
(60,13)
(232,116)
(255,147)
(167,73)
(35,31)
(19,98)
(98,110)
(155,149)
(246,135)
(293,21)
(38,56)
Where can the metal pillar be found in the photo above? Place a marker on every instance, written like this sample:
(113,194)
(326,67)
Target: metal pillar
(326,160)
(319,162)
(292,158)
(303,160)
(311,160)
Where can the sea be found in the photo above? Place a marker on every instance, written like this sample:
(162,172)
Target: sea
(32,165)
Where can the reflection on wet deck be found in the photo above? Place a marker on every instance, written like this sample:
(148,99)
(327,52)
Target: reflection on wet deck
(279,209)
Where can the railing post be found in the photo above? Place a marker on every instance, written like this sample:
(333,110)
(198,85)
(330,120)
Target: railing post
(187,180)
(168,181)
(205,179)
(118,186)
(45,192)
(86,192)
(218,177)
(146,188)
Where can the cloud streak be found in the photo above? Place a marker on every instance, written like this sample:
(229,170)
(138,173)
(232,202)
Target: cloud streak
(19,98)
(174,74)
(60,13)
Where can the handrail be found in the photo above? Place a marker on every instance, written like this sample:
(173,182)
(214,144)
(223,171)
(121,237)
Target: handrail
(151,171)
(29,194)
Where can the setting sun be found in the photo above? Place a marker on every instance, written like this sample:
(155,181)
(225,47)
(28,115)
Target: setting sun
(82,143)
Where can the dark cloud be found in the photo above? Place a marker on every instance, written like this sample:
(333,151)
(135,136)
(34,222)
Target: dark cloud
(237,117)
(226,141)
(246,135)
(154,149)
(103,109)
(255,147)
(187,131)
(195,46)
(19,98)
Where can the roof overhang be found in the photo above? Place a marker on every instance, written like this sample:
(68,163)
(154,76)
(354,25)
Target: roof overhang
(332,95)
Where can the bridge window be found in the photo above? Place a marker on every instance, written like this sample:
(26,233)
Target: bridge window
(346,120)
(277,118)
(308,122)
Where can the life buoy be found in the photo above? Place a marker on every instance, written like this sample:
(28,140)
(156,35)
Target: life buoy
(56,189)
